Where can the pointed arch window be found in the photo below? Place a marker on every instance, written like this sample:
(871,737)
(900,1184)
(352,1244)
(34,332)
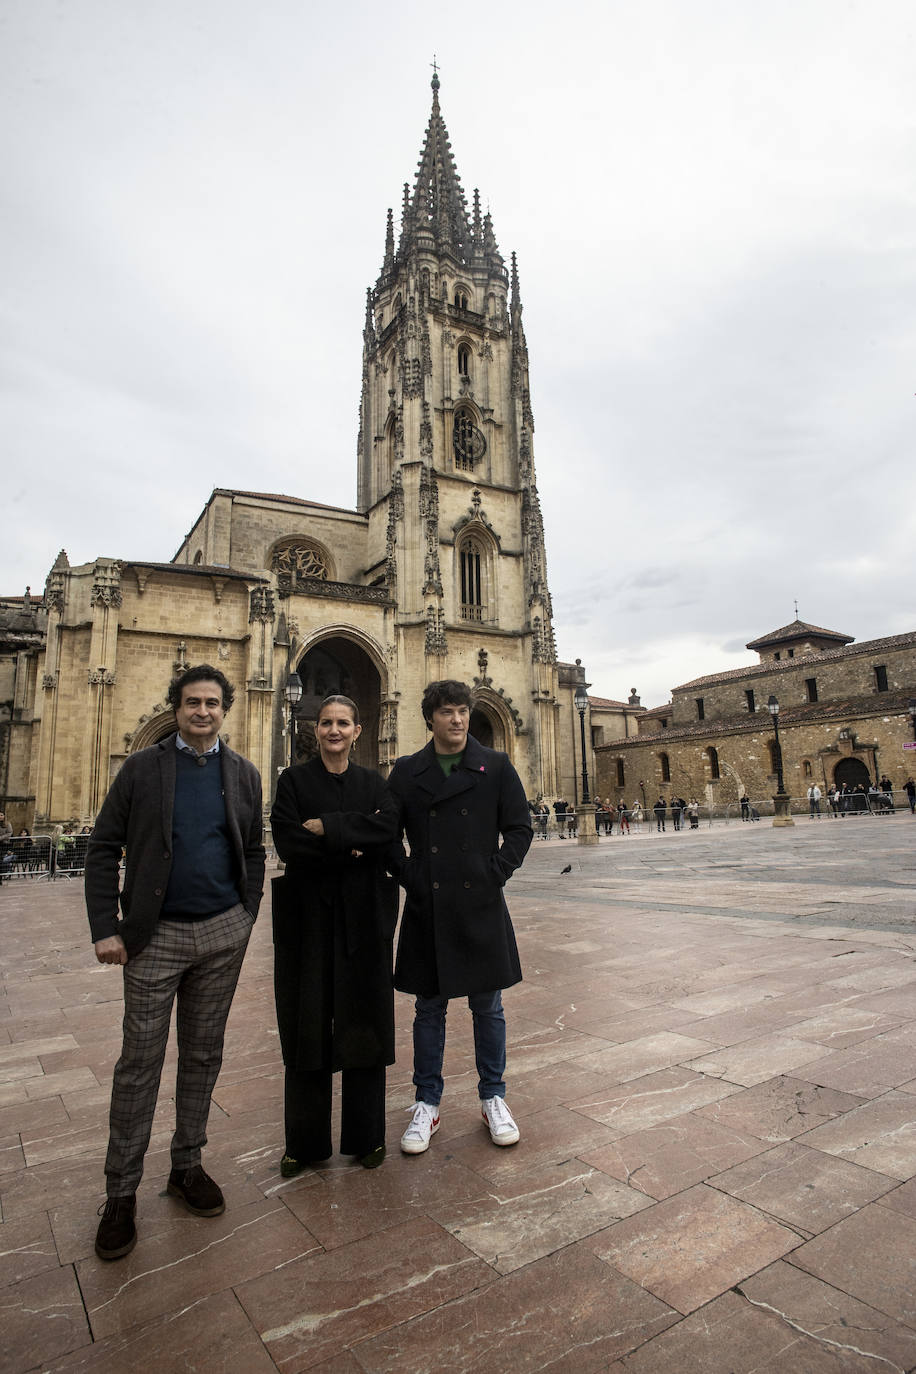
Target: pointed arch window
(464,360)
(471,562)
(666,767)
(461,299)
(475,576)
(713,755)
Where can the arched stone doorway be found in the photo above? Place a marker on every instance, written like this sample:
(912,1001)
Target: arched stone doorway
(481,728)
(852,772)
(338,666)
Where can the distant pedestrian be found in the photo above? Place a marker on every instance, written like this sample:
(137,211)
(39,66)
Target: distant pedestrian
(909,788)
(745,807)
(559,810)
(660,808)
(623,817)
(693,814)
(814,801)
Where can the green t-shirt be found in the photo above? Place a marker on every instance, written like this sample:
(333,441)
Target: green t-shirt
(449,762)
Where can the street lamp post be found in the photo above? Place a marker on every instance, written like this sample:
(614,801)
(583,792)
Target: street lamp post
(781,802)
(293,693)
(585,812)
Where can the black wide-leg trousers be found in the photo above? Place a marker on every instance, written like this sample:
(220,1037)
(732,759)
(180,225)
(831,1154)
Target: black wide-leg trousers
(307,1102)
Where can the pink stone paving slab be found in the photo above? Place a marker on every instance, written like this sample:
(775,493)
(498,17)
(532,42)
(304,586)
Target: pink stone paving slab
(42,1319)
(636,1025)
(345,1205)
(731,1027)
(209,1336)
(669,1158)
(901,1001)
(193,1259)
(315,1307)
(871,1256)
(901,1199)
(780,1108)
(547,1138)
(840,1027)
(803,1187)
(567,1312)
(49,1185)
(781,1322)
(621,1063)
(868,1070)
(880,1135)
(737,997)
(31,1116)
(26,1248)
(62,1142)
(656,1097)
(754,1061)
(51,1084)
(535,1215)
(693,1247)
(554,1086)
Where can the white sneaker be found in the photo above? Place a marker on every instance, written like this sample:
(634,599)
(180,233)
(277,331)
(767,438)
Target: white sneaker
(503,1130)
(425,1123)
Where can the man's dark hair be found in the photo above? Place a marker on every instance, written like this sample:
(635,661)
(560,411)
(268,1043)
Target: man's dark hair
(202,673)
(448,692)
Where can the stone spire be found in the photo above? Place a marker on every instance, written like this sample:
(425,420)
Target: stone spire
(438,206)
(434,215)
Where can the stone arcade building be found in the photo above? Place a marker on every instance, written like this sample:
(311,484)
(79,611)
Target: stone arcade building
(843,717)
(439,571)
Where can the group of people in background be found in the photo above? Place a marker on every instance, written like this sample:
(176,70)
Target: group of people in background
(188,813)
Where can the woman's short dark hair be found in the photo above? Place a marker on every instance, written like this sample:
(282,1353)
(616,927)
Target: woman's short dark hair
(340,701)
(202,673)
(447,692)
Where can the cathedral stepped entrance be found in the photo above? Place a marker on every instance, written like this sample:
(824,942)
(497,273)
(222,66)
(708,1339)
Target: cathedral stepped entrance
(338,667)
(852,772)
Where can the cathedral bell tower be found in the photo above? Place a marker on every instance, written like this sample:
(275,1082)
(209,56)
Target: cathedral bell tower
(446,467)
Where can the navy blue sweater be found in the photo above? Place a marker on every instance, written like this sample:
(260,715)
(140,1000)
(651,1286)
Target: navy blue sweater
(202,880)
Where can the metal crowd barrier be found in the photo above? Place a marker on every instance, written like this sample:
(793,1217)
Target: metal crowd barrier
(39,858)
(26,856)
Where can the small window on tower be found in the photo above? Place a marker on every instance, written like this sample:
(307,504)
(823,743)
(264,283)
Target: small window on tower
(464,360)
(881,678)
(461,300)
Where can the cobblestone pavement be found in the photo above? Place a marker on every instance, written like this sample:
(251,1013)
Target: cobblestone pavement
(712,1061)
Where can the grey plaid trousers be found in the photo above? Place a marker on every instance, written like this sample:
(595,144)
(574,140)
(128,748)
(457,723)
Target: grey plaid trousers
(199,963)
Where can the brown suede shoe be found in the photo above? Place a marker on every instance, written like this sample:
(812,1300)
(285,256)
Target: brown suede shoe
(197,1191)
(117,1234)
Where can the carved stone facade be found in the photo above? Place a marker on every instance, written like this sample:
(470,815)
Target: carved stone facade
(440,571)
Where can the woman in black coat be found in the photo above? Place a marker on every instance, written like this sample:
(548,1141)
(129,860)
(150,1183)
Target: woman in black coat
(334,914)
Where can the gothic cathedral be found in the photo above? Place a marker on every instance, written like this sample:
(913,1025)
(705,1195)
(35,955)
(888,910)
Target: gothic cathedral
(440,571)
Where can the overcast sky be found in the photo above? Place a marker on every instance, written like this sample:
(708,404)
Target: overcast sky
(713,207)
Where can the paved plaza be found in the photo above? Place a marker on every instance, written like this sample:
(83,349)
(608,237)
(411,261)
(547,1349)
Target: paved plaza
(712,1060)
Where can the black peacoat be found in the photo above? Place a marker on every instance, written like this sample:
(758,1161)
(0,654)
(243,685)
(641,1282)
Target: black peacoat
(456,936)
(334,917)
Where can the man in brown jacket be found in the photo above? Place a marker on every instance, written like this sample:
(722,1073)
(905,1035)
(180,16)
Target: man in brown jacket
(188,812)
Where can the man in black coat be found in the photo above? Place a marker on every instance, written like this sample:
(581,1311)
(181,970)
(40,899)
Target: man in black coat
(188,812)
(455,800)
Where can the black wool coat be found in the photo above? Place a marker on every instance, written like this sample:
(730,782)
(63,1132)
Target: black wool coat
(468,833)
(334,917)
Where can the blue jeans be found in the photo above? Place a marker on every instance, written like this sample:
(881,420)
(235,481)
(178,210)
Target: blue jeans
(489,1045)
